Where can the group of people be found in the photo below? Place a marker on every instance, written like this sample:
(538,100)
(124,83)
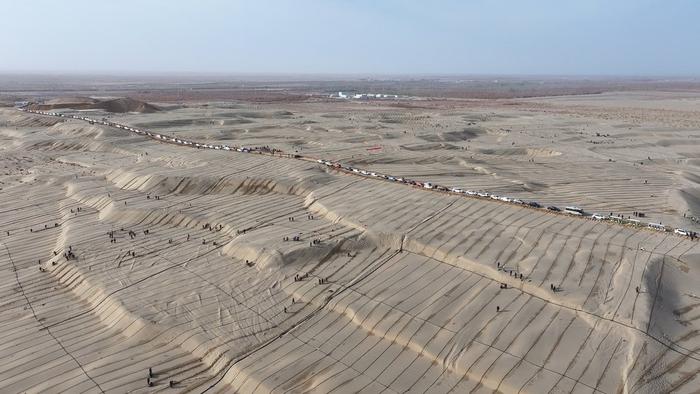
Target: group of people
(298,278)
(510,272)
(266,149)
(131,233)
(31,230)
(207,226)
(150,383)
(69,255)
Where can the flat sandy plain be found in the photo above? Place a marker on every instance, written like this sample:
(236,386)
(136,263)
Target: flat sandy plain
(401,290)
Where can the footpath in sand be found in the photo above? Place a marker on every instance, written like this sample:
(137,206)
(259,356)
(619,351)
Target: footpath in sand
(227,272)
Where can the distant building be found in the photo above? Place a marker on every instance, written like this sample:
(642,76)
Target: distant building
(360,96)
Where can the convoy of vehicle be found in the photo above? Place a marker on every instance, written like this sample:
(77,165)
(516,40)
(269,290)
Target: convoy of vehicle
(571,210)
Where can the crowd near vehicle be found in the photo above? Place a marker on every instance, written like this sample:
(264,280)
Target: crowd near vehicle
(571,210)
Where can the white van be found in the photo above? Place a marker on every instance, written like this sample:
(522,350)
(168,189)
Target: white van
(657,226)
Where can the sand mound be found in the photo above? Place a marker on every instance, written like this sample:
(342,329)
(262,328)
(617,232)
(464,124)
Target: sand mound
(254,273)
(453,136)
(691,198)
(542,152)
(669,142)
(530,152)
(429,147)
(185,122)
(126,104)
(117,105)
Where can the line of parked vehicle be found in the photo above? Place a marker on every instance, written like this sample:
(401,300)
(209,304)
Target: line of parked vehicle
(571,210)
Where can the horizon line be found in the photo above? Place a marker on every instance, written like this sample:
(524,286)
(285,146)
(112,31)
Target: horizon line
(351,75)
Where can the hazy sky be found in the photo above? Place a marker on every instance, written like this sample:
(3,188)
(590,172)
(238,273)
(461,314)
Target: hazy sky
(592,37)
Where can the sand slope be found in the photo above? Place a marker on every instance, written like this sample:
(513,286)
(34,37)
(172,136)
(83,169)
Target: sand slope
(399,293)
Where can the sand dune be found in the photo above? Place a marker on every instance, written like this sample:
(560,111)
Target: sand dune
(180,262)
(114,105)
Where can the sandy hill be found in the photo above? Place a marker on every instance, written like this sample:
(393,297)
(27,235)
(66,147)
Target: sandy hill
(127,105)
(116,105)
(123,259)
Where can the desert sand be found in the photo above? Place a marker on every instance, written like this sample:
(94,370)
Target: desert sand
(119,253)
